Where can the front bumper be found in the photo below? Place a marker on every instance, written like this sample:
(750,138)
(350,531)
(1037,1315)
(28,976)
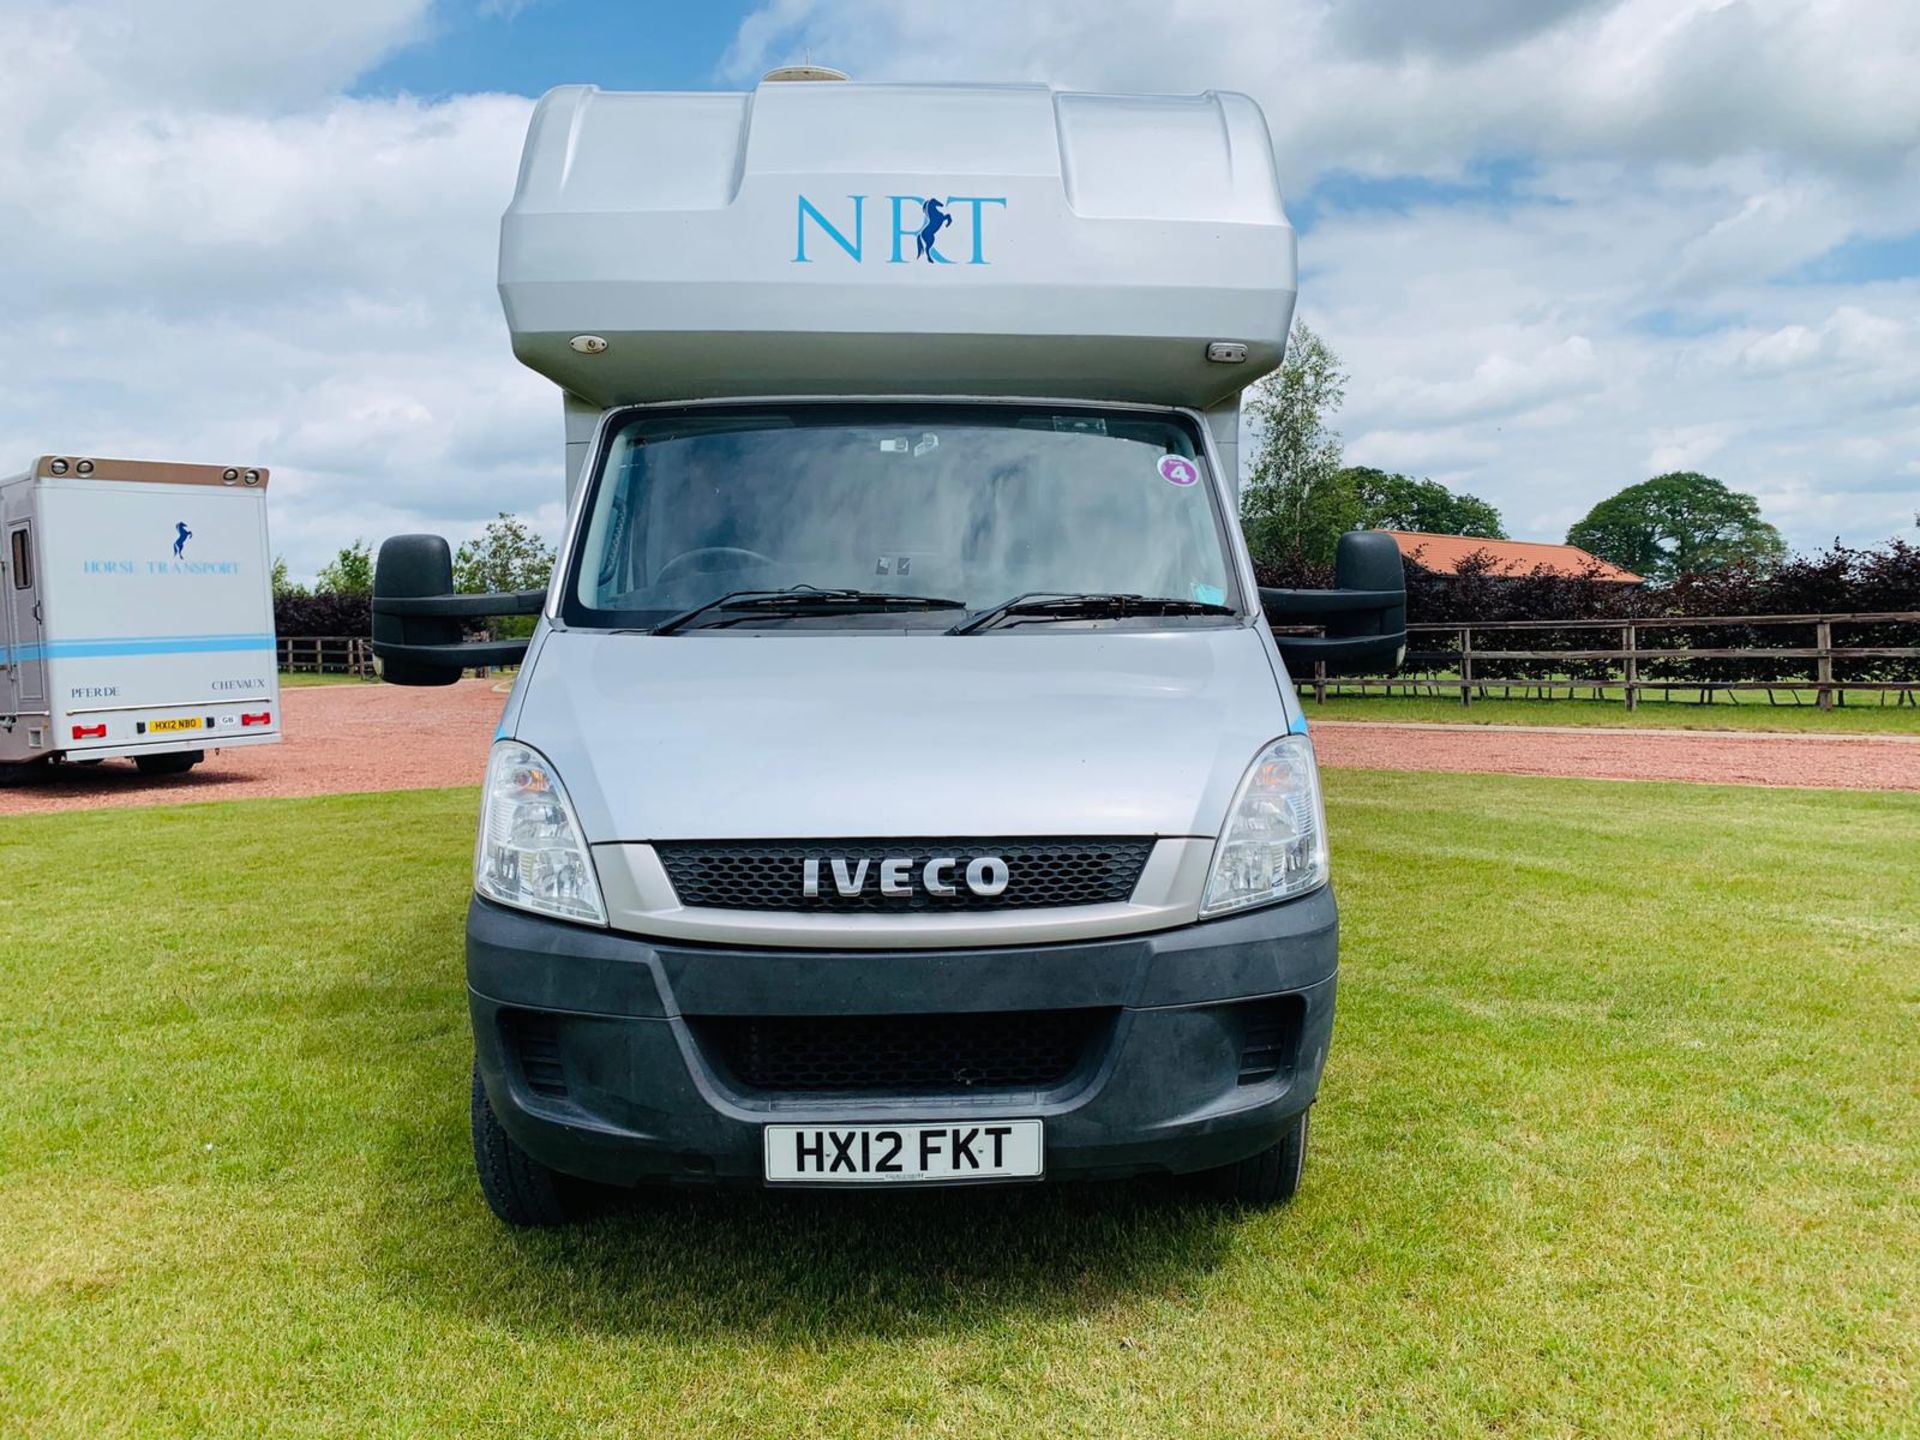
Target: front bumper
(597,1051)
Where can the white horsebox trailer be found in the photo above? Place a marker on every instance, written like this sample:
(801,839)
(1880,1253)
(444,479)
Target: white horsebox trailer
(136,612)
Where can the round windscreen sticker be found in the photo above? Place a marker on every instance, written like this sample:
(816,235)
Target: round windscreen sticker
(1178,470)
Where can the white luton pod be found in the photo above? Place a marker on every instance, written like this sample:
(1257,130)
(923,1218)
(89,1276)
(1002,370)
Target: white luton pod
(848,240)
(903,784)
(136,612)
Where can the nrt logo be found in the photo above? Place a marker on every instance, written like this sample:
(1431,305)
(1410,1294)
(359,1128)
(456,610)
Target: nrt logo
(918,219)
(181,534)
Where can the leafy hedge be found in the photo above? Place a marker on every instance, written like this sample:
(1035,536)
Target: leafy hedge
(1841,580)
(327,613)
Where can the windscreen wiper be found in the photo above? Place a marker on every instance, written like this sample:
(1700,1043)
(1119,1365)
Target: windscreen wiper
(738,605)
(1044,605)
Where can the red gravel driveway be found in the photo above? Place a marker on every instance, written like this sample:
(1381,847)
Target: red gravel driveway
(1824,762)
(339,739)
(346,738)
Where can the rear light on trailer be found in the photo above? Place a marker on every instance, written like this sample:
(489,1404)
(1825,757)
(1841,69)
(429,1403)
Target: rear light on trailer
(265,717)
(90,732)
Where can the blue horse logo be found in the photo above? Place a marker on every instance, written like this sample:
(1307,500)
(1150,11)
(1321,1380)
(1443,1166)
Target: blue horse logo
(937,220)
(181,536)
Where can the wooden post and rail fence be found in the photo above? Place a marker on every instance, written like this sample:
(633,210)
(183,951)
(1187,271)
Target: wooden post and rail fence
(332,655)
(326,654)
(1655,654)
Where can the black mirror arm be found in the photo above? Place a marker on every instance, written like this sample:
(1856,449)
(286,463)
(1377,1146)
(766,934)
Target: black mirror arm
(461,607)
(468,655)
(1291,604)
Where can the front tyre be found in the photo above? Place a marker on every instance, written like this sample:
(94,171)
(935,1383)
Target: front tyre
(1269,1178)
(519,1189)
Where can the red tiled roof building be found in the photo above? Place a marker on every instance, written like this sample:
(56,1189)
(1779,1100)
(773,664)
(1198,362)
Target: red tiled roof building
(1443,554)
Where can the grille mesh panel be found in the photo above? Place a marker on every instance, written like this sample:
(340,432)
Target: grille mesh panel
(901,1054)
(768,875)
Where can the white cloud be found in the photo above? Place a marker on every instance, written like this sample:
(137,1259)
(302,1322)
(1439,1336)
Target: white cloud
(1397,29)
(1686,447)
(213,256)
(1403,87)
(198,55)
(1502,384)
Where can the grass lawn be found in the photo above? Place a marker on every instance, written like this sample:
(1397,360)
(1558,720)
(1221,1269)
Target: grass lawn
(1620,1137)
(1862,715)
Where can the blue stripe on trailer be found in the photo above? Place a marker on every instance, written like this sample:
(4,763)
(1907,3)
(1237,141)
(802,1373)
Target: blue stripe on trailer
(148,645)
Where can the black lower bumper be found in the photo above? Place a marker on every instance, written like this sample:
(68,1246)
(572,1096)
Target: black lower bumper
(626,1060)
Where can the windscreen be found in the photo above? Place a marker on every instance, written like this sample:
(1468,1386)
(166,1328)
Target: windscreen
(972,503)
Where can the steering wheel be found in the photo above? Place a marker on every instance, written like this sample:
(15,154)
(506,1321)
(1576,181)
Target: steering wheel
(689,560)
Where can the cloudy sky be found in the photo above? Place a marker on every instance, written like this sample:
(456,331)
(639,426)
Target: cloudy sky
(1561,245)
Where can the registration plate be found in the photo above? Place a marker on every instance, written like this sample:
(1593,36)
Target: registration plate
(903,1154)
(160,727)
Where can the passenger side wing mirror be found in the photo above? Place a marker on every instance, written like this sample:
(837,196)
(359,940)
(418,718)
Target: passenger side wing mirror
(1364,616)
(416,615)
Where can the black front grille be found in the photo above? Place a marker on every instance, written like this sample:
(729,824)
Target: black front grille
(770,875)
(902,1054)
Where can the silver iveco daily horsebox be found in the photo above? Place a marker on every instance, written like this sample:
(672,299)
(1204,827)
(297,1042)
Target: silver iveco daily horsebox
(903,784)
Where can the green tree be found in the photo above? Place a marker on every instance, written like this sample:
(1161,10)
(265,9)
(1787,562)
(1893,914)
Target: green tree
(1291,508)
(1389,501)
(506,555)
(283,586)
(1681,523)
(348,573)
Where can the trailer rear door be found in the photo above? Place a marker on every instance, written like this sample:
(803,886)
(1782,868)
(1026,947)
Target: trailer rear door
(26,656)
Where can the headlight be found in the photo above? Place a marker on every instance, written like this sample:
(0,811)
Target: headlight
(1274,844)
(531,853)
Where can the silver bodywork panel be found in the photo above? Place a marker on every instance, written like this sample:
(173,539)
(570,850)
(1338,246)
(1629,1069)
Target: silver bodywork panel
(782,735)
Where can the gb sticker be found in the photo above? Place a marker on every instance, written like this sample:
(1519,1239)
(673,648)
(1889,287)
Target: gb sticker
(1178,470)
